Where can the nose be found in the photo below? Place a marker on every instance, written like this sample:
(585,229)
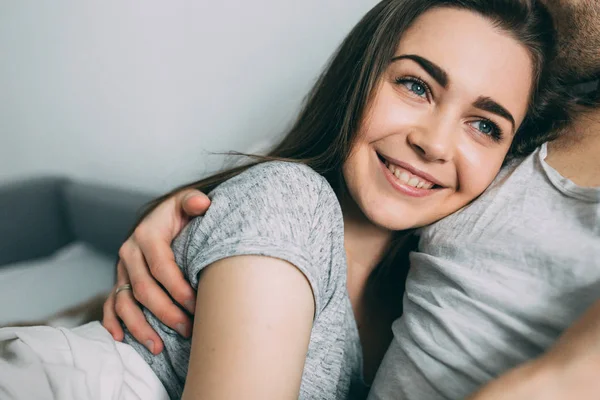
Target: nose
(434,141)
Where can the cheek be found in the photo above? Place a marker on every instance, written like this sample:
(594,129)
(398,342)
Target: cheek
(361,177)
(351,169)
(477,168)
(389,114)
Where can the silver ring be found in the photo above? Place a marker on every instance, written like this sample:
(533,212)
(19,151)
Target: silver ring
(123,287)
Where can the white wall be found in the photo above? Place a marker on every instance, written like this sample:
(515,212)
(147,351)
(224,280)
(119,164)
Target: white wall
(134,93)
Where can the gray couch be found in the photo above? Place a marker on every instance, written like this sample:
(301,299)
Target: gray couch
(59,240)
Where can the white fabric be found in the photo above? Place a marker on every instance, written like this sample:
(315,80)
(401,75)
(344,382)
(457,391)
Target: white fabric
(493,285)
(33,290)
(84,363)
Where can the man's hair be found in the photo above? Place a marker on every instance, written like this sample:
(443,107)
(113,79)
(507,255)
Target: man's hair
(578,26)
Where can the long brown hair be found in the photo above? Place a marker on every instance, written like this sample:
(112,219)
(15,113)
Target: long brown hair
(326,127)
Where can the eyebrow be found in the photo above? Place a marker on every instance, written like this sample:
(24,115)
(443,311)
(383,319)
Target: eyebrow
(441,77)
(489,105)
(432,69)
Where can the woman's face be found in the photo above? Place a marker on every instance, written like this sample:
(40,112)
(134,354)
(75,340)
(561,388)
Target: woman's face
(441,120)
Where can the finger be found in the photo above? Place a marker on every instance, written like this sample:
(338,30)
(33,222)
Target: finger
(132,316)
(194,203)
(110,321)
(147,291)
(122,275)
(162,266)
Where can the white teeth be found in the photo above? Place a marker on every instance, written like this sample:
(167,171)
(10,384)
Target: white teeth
(407,178)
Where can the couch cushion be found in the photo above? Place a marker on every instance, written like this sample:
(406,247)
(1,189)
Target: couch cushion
(34,290)
(32,219)
(102,216)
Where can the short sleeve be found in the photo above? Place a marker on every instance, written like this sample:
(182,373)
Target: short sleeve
(275,209)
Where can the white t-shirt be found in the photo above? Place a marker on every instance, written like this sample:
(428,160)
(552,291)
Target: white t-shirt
(494,284)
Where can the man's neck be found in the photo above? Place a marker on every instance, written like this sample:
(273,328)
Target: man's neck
(576,153)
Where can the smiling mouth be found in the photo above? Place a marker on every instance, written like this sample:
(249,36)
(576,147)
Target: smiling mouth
(408,178)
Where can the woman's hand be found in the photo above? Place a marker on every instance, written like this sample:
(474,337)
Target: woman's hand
(146,260)
(569,370)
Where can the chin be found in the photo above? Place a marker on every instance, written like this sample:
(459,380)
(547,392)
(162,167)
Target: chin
(381,216)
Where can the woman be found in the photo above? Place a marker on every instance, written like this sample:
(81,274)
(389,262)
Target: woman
(411,121)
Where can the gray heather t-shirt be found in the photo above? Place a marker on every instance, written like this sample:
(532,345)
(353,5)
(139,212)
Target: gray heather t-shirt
(290,212)
(494,284)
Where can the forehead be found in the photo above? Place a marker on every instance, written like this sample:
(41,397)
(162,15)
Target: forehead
(480,60)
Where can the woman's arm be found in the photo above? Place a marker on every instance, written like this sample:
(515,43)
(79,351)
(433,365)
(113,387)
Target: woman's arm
(251,331)
(572,364)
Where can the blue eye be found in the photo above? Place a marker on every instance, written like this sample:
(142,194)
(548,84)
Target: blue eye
(484,126)
(488,128)
(414,85)
(416,88)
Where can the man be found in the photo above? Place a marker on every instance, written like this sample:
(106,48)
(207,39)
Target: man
(568,178)
(498,282)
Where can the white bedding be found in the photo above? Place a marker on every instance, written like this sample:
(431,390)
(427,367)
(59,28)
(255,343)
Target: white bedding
(84,363)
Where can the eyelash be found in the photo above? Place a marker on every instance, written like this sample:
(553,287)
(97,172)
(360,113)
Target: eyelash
(404,79)
(496,134)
